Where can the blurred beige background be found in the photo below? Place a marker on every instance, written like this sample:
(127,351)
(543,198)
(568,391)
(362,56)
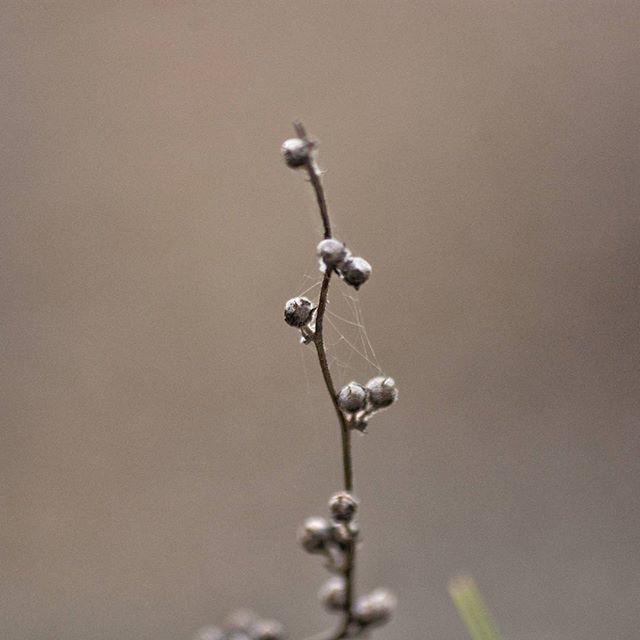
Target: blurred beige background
(163,434)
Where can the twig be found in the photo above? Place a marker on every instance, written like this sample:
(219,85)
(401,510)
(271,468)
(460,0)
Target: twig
(318,341)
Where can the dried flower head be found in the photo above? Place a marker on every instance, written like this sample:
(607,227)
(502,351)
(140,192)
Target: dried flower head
(352,397)
(332,252)
(382,391)
(296,152)
(355,271)
(343,506)
(314,535)
(298,312)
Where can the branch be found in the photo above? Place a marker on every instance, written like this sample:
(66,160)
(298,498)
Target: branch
(318,341)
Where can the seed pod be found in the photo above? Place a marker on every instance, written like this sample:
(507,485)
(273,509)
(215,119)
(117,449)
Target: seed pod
(298,312)
(343,506)
(267,630)
(355,271)
(295,152)
(375,608)
(382,391)
(314,535)
(333,594)
(352,397)
(332,252)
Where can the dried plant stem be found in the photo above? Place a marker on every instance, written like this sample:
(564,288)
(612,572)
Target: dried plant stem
(314,177)
(345,430)
(318,341)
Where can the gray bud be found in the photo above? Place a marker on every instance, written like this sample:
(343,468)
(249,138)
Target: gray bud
(267,630)
(295,152)
(298,312)
(314,535)
(352,397)
(343,506)
(382,391)
(333,594)
(375,608)
(355,271)
(332,252)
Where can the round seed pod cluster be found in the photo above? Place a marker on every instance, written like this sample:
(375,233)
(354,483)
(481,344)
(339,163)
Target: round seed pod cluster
(244,625)
(333,254)
(332,538)
(359,402)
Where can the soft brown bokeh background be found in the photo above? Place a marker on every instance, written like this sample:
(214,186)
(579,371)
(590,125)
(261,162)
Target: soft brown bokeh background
(160,443)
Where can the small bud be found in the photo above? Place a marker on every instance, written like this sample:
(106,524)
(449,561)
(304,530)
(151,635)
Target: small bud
(295,152)
(355,271)
(314,535)
(343,506)
(333,594)
(375,608)
(360,424)
(382,391)
(209,633)
(352,398)
(332,252)
(267,630)
(298,312)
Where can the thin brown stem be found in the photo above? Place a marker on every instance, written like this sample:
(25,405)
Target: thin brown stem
(314,177)
(318,341)
(345,429)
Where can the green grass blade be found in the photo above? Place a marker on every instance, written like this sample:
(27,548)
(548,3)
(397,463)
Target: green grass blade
(472,609)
